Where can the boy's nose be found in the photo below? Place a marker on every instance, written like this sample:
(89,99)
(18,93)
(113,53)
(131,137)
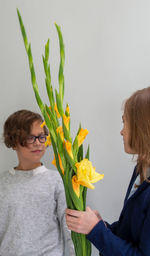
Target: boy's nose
(37,141)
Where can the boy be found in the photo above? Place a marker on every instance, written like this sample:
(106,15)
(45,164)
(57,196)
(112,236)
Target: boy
(32,199)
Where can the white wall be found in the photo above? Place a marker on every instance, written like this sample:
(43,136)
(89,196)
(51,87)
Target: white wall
(107,58)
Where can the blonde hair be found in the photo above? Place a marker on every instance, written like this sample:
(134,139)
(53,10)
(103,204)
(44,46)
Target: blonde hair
(137,113)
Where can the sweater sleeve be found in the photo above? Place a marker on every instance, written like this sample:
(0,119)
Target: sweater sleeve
(61,207)
(111,245)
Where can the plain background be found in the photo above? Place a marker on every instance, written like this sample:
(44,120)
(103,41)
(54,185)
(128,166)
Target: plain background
(107,46)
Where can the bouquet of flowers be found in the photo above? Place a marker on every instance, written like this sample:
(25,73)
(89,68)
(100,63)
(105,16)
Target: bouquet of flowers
(75,169)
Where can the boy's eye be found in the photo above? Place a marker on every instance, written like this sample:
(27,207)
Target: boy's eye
(30,139)
(42,138)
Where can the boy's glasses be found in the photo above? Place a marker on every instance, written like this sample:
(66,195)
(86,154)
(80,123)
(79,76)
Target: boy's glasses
(31,139)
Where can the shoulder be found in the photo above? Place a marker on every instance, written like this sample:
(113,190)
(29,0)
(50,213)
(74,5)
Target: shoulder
(53,175)
(5,178)
(147,191)
(4,174)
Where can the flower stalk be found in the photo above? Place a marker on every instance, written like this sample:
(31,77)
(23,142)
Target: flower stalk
(76,170)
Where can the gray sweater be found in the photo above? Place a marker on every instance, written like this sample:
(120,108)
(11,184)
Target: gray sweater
(32,214)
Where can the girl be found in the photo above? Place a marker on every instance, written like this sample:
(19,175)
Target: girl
(32,200)
(130,235)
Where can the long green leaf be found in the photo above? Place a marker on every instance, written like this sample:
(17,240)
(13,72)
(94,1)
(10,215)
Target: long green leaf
(59,103)
(49,125)
(54,122)
(32,71)
(88,153)
(56,156)
(23,31)
(62,60)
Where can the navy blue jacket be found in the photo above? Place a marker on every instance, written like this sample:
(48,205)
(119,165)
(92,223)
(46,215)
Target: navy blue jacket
(130,235)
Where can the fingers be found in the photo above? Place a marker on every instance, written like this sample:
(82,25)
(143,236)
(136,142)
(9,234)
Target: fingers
(76,213)
(74,220)
(81,221)
(97,214)
(73,216)
(88,209)
(73,223)
(73,212)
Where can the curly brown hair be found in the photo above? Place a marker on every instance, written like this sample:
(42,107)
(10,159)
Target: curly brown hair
(137,112)
(17,127)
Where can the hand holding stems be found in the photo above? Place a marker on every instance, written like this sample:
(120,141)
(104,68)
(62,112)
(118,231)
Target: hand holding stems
(82,221)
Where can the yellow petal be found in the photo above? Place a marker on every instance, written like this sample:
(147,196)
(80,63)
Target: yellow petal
(60,131)
(43,124)
(97,177)
(54,161)
(86,174)
(86,183)
(60,164)
(81,136)
(48,141)
(68,146)
(56,109)
(76,185)
(66,120)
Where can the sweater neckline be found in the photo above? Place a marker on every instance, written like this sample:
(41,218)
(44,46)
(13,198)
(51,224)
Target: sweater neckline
(38,170)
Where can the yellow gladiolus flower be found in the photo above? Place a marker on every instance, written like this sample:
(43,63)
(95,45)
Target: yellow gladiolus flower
(60,163)
(69,148)
(76,185)
(43,124)
(56,109)
(60,131)
(48,141)
(66,120)
(81,136)
(86,174)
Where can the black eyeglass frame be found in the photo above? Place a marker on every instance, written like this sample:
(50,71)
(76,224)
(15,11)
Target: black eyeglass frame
(33,138)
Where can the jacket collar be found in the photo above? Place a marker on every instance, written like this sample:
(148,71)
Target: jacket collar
(131,184)
(142,187)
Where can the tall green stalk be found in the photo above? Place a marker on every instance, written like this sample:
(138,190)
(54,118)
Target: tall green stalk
(81,244)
